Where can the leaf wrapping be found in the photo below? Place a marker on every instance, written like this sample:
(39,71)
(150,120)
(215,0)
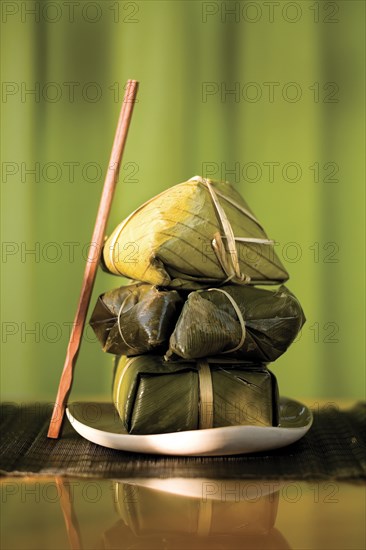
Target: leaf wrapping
(209,324)
(174,239)
(155,396)
(141,318)
(135,319)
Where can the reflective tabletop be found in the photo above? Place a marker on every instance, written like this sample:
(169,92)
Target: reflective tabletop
(58,513)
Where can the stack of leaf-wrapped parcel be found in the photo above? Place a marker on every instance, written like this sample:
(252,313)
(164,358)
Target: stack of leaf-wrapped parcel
(192,334)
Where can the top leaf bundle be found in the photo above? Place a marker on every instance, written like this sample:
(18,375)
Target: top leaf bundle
(195,234)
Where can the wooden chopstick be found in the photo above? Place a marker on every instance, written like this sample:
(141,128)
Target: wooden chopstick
(93,258)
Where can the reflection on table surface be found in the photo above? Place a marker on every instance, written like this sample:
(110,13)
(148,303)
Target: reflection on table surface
(61,513)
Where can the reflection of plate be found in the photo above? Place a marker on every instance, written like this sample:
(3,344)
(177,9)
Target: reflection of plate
(99,423)
(225,490)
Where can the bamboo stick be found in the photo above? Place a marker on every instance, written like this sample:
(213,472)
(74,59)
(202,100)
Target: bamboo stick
(93,258)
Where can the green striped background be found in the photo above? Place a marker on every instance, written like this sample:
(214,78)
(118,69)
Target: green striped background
(186,55)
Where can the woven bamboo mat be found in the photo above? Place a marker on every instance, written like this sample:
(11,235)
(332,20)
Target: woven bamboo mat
(334,448)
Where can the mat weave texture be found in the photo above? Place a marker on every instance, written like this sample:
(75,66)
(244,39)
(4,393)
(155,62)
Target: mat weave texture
(334,448)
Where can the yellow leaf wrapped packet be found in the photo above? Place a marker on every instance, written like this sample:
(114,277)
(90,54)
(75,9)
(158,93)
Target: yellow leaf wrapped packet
(194,234)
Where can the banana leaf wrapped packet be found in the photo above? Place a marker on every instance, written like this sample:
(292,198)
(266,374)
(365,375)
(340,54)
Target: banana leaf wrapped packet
(155,396)
(244,322)
(195,234)
(241,321)
(135,319)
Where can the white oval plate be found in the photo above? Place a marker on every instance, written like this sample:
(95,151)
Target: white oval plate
(100,423)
